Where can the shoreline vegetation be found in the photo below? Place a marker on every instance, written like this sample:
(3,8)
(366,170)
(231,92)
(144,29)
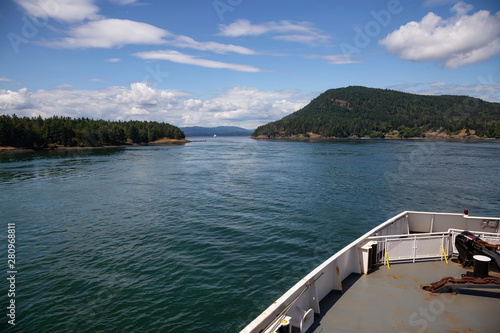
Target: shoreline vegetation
(357,112)
(429,136)
(160,142)
(19,135)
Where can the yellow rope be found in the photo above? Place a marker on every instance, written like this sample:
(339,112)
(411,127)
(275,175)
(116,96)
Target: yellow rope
(387,258)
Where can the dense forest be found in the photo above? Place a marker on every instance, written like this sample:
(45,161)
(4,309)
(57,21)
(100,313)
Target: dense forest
(38,133)
(359,111)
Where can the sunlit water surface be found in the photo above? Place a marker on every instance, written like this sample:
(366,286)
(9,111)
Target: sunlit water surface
(203,237)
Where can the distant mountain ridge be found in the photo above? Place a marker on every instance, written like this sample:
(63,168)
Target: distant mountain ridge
(219,130)
(357,111)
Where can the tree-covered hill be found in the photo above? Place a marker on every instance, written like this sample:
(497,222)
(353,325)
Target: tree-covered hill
(38,133)
(360,111)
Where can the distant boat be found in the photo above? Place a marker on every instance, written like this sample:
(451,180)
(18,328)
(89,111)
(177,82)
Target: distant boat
(215,135)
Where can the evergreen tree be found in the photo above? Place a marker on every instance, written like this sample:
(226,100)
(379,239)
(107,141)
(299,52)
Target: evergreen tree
(44,133)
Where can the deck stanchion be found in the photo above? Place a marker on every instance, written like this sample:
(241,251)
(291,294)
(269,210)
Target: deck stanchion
(444,253)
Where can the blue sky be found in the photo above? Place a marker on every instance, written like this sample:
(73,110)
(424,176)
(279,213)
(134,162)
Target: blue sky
(236,62)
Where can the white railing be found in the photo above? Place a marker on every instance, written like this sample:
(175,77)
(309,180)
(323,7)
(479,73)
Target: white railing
(424,246)
(409,236)
(333,271)
(414,247)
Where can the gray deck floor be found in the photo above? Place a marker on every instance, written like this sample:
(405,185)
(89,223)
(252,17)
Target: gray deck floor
(391,300)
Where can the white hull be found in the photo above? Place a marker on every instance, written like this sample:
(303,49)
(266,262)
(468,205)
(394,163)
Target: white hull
(409,237)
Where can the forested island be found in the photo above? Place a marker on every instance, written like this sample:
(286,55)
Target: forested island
(37,133)
(362,112)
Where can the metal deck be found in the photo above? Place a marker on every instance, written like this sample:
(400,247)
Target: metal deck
(342,298)
(391,300)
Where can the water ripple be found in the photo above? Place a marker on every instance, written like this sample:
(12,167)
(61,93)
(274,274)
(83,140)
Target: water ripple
(202,238)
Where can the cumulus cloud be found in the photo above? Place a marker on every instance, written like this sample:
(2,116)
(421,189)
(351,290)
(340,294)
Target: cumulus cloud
(109,33)
(462,39)
(134,111)
(12,100)
(301,32)
(188,59)
(61,10)
(139,93)
(248,107)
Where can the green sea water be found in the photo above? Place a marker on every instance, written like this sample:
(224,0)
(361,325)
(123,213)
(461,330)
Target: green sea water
(203,237)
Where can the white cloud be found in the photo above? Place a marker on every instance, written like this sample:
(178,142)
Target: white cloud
(188,42)
(438,84)
(312,40)
(5,81)
(432,3)
(245,105)
(124,2)
(485,89)
(113,60)
(109,33)
(301,32)
(61,10)
(457,41)
(139,93)
(188,59)
(63,85)
(335,59)
(241,106)
(11,100)
(101,32)
(243,27)
(134,111)
(96,79)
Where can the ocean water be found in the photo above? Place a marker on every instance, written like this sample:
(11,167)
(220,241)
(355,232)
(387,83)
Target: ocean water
(203,237)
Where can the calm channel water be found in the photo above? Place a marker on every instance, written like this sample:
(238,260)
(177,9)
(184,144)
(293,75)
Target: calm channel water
(203,237)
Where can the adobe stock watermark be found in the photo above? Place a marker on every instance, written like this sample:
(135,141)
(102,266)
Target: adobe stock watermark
(223,6)
(408,165)
(429,313)
(460,113)
(32,24)
(365,34)
(95,305)
(457,116)
(12,272)
(155,76)
(487,84)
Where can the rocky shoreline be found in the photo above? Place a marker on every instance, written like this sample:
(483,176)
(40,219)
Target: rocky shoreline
(462,135)
(161,142)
